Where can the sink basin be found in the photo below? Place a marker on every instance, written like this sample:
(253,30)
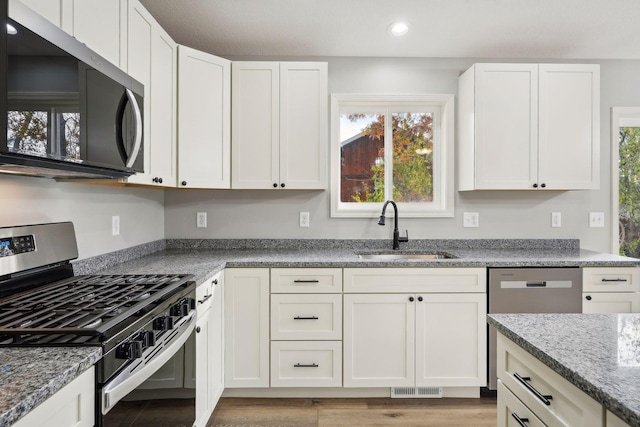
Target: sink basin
(405,255)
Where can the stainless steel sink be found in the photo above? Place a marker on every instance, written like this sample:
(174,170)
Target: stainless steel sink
(405,255)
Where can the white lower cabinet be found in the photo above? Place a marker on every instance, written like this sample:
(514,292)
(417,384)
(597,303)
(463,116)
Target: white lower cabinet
(206,364)
(611,290)
(415,339)
(246,307)
(71,406)
(545,394)
(512,412)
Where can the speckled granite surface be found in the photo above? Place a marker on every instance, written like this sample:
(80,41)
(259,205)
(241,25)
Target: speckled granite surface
(28,376)
(599,353)
(204,263)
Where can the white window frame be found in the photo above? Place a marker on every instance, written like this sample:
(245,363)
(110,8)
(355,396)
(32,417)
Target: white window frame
(443,155)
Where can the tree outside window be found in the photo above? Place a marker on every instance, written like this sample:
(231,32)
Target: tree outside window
(392,147)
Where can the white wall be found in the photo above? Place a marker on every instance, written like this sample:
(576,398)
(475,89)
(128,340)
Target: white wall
(508,214)
(27,200)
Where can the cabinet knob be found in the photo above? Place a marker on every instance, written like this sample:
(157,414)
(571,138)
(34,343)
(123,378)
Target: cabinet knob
(420,299)
(543,185)
(155,179)
(184,183)
(588,297)
(215,281)
(411,299)
(198,329)
(282,185)
(535,185)
(275,185)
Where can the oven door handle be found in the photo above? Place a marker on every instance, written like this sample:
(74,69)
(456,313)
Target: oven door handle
(128,380)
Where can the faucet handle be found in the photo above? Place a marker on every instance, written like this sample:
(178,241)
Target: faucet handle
(405,238)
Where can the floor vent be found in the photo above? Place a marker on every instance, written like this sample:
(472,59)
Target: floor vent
(416,392)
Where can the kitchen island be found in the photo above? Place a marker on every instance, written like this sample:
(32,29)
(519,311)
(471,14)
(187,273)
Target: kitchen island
(597,353)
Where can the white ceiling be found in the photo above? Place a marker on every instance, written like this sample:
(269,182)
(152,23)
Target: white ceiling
(570,29)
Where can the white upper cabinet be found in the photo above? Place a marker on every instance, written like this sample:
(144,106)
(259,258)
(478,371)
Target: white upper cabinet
(279,125)
(204,126)
(529,126)
(152,60)
(95,23)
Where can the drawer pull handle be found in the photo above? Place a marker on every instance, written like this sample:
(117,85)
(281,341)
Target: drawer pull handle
(536,284)
(206,297)
(614,280)
(298,365)
(306,281)
(520,421)
(524,380)
(305,318)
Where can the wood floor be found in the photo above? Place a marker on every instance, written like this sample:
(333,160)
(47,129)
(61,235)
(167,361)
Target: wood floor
(241,412)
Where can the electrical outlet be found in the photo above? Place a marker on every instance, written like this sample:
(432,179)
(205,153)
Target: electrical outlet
(201,220)
(115,225)
(471,219)
(596,219)
(556,219)
(304,219)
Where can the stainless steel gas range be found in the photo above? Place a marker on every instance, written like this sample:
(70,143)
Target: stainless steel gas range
(139,321)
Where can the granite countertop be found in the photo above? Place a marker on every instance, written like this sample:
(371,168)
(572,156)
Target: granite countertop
(598,353)
(204,258)
(28,376)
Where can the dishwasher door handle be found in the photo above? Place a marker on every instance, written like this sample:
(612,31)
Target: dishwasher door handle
(537,284)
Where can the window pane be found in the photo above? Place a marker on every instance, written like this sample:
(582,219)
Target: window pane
(362,158)
(629,187)
(27,131)
(412,157)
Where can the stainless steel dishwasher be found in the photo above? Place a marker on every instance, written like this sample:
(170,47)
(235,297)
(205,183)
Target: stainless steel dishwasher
(530,290)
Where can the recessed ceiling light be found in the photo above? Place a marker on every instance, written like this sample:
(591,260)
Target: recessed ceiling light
(398,29)
(11,30)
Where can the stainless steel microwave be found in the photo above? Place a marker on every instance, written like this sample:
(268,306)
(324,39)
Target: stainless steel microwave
(70,113)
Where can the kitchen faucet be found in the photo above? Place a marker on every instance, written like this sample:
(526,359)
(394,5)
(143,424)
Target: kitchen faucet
(396,233)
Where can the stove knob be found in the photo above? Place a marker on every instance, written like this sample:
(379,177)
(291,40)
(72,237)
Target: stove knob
(192,303)
(129,350)
(162,323)
(148,339)
(178,310)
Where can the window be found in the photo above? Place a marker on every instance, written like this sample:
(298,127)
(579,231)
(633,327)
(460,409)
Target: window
(397,147)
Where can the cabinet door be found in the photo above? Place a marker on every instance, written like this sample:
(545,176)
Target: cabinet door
(379,334)
(506,125)
(96,23)
(611,302)
(203,369)
(246,307)
(139,34)
(55,11)
(569,130)
(255,118)
(152,60)
(204,102)
(303,124)
(451,337)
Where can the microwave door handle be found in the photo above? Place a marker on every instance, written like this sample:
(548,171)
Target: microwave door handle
(138,138)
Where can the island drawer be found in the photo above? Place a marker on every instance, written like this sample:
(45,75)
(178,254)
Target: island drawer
(306,280)
(510,409)
(391,280)
(306,364)
(558,403)
(306,317)
(611,279)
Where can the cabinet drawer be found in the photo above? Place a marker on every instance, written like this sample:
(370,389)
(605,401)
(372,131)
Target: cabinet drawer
(391,280)
(205,291)
(306,317)
(306,280)
(306,364)
(567,406)
(510,409)
(611,302)
(611,279)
